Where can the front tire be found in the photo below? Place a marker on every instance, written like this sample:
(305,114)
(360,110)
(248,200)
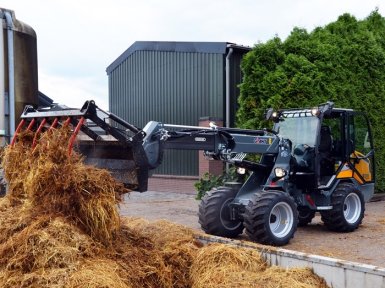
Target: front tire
(271,218)
(348,209)
(215,214)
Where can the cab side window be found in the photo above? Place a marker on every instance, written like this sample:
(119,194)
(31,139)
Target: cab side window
(336,128)
(359,133)
(361,145)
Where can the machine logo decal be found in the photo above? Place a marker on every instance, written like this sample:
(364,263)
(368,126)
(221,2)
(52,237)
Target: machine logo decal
(200,139)
(260,140)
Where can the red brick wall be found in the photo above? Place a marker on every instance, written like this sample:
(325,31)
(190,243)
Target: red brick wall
(172,183)
(214,167)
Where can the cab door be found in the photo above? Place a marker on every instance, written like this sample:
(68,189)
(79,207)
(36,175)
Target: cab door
(359,149)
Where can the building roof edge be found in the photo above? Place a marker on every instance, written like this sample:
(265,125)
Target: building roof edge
(168,46)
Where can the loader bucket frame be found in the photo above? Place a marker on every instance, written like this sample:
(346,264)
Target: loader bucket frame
(118,148)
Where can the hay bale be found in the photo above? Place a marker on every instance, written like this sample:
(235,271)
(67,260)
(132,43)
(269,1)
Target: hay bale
(275,276)
(162,231)
(176,245)
(44,253)
(220,265)
(97,273)
(140,262)
(59,184)
(16,164)
(53,278)
(13,217)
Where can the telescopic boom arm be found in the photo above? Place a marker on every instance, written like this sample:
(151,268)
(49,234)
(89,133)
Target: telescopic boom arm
(121,140)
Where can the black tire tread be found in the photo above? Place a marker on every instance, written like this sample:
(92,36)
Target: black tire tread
(254,218)
(209,212)
(333,219)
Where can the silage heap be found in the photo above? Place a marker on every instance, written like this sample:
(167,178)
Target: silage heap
(60,227)
(59,185)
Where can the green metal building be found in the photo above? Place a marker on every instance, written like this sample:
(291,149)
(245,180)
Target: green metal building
(176,83)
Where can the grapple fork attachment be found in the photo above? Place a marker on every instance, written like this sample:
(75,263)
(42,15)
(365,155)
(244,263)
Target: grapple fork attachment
(105,140)
(44,127)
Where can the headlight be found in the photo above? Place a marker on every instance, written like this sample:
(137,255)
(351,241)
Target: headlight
(241,170)
(280,172)
(314,111)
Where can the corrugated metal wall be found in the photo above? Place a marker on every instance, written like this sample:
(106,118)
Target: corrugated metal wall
(235,80)
(169,87)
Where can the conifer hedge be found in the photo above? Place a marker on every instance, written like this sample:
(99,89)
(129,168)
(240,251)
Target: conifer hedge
(343,62)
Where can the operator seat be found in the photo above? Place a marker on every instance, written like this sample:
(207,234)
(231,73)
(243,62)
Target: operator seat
(326,141)
(325,149)
(304,156)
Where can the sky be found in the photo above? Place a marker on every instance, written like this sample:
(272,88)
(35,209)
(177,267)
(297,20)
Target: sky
(78,39)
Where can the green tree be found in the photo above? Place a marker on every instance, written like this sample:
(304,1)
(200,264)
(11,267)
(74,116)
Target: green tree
(343,62)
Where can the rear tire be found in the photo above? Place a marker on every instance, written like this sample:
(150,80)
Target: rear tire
(348,209)
(214,213)
(271,218)
(305,216)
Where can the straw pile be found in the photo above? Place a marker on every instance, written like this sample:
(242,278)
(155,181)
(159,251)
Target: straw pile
(219,265)
(60,227)
(58,184)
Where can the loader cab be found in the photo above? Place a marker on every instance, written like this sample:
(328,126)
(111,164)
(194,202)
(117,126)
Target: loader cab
(328,145)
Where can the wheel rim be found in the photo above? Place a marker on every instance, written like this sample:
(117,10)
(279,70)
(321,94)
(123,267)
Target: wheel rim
(225,215)
(352,208)
(281,219)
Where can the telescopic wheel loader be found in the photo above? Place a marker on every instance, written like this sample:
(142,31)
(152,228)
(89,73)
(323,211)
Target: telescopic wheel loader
(313,160)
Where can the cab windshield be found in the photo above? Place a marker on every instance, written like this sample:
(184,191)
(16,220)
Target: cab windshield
(300,130)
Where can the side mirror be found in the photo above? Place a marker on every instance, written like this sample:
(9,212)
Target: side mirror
(367,142)
(269,113)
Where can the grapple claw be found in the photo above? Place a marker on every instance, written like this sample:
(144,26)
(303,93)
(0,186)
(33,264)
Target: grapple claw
(54,123)
(18,129)
(74,134)
(31,124)
(42,123)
